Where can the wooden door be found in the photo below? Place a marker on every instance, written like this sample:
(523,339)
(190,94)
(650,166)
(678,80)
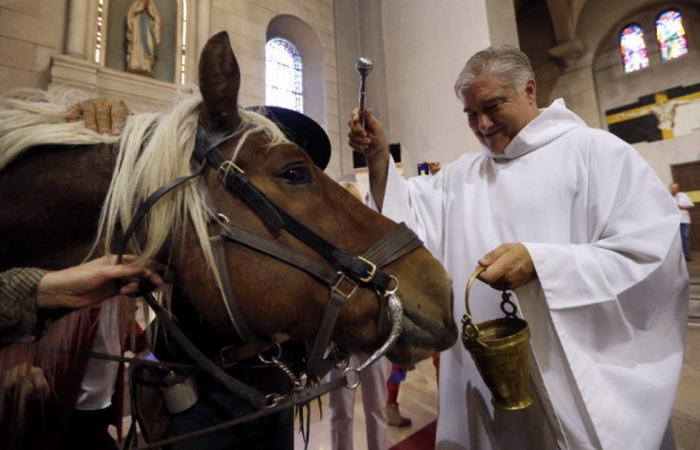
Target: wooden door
(687,175)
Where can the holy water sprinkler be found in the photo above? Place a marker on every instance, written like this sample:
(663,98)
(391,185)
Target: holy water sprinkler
(364,67)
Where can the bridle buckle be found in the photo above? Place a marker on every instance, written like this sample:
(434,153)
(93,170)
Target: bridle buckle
(372,271)
(338,289)
(228,166)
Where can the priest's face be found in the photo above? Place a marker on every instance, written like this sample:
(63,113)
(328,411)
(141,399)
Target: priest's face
(497,111)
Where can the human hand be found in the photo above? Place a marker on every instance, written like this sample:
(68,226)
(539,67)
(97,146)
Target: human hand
(370,141)
(24,381)
(94,281)
(101,115)
(507,267)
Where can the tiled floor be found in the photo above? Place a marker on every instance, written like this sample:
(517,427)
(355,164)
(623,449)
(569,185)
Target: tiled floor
(418,398)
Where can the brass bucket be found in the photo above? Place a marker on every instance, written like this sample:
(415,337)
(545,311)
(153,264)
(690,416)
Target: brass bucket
(500,351)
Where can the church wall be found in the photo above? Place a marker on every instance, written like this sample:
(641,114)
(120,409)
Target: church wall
(30,32)
(577,87)
(359,33)
(536,36)
(424,54)
(615,88)
(556,78)
(594,81)
(247,23)
(662,154)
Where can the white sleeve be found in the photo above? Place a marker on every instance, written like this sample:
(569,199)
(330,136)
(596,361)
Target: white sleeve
(418,202)
(684,200)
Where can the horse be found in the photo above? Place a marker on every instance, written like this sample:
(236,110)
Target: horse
(67,194)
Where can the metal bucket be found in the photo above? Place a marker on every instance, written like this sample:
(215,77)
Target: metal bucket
(500,350)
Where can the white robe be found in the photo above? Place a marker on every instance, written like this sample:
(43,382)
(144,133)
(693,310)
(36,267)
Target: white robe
(608,310)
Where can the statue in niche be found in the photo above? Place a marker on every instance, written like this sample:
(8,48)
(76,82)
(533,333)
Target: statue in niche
(142,35)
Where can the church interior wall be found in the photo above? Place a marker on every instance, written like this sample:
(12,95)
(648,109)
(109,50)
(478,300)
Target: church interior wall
(614,88)
(248,24)
(359,33)
(30,32)
(424,54)
(593,81)
(536,35)
(417,58)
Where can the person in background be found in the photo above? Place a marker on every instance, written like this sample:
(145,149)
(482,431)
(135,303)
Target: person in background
(575,223)
(393,385)
(434,167)
(341,402)
(685,204)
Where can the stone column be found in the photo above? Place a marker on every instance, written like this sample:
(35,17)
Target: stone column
(76,39)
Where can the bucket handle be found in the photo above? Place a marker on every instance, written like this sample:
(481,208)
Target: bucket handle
(470,331)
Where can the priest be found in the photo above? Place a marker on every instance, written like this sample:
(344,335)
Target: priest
(573,222)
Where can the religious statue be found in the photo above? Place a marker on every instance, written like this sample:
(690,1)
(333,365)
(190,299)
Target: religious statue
(665,113)
(142,34)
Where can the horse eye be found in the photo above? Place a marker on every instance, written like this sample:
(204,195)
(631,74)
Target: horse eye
(297,175)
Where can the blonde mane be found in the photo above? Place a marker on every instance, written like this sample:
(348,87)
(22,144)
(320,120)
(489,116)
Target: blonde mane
(29,118)
(154,149)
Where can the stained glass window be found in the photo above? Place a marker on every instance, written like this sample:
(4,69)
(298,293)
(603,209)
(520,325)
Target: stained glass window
(633,48)
(283,81)
(671,35)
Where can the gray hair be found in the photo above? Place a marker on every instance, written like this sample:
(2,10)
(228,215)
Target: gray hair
(507,63)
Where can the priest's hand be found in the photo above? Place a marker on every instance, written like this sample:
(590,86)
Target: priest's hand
(370,141)
(507,267)
(101,115)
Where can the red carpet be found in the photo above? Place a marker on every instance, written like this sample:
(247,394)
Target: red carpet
(423,439)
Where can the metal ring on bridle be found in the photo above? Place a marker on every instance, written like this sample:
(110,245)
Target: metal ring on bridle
(348,384)
(272,400)
(274,358)
(396,286)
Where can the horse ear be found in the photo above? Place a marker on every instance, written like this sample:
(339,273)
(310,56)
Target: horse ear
(219,82)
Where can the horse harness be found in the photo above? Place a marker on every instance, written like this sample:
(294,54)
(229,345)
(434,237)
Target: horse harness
(343,273)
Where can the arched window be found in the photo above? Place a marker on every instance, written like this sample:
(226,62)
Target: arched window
(670,35)
(283,75)
(633,48)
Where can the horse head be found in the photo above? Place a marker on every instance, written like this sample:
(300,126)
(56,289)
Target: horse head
(275,296)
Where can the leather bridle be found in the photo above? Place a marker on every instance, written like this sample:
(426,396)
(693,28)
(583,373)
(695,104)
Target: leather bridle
(343,272)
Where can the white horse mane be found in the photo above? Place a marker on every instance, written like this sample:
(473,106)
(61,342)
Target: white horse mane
(30,117)
(154,149)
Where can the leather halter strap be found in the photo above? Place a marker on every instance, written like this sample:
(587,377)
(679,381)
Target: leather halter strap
(277,218)
(343,268)
(394,244)
(346,270)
